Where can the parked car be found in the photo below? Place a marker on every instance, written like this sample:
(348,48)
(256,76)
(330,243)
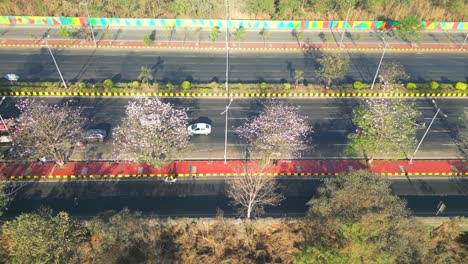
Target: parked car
(199,129)
(95,134)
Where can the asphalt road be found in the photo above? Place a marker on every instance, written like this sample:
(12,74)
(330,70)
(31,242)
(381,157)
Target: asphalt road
(202,198)
(36,64)
(330,118)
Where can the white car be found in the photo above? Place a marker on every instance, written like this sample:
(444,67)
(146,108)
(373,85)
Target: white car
(199,129)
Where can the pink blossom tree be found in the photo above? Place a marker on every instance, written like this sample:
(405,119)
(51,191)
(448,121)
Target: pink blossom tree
(152,132)
(44,130)
(279,132)
(387,127)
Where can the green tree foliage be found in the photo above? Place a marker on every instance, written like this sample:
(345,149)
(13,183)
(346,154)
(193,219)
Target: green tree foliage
(410,29)
(44,238)
(388,128)
(332,67)
(214,34)
(147,40)
(108,83)
(298,77)
(186,85)
(460,86)
(323,6)
(260,7)
(68,32)
(434,85)
(146,75)
(289,8)
(411,86)
(263,85)
(358,85)
(357,219)
(239,35)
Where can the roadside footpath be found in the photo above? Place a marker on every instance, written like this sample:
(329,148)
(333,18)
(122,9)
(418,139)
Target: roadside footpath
(212,169)
(205,38)
(245,46)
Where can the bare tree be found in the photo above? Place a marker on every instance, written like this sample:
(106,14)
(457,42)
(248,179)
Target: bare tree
(252,193)
(152,132)
(44,130)
(278,132)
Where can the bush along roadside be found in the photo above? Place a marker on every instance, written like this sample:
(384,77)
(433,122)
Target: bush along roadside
(109,86)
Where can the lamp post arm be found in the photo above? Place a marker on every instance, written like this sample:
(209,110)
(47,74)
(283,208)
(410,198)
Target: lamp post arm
(424,136)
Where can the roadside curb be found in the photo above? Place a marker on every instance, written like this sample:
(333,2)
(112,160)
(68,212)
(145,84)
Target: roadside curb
(211,175)
(302,49)
(233,95)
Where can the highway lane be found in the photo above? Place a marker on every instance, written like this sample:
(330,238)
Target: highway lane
(202,198)
(330,118)
(34,64)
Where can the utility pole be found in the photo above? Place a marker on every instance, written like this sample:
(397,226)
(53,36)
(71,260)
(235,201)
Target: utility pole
(380,63)
(427,130)
(344,24)
(53,58)
(227,83)
(89,23)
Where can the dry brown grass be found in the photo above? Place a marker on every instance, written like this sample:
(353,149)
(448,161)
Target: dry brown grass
(392,10)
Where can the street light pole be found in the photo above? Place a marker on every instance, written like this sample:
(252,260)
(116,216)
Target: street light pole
(427,130)
(226,111)
(56,65)
(380,63)
(344,24)
(227,83)
(89,23)
(464,42)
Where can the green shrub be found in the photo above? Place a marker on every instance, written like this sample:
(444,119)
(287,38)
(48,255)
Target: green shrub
(358,85)
(147,40)
(214,85)
(81,85)
(135,84)
(287,86)
(169,85)
(460,86)
(434,85)
(263,85)
(411,86)
(186,85)
(108,83)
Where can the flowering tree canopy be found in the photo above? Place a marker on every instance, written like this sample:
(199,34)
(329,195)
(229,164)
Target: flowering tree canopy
(46,130)
(278,132)
(388,127)
(152,132)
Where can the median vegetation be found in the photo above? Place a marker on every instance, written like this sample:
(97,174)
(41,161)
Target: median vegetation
(449,10)
(215,87)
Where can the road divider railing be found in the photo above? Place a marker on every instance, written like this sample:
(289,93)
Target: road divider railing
(192,170)
(239,95)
